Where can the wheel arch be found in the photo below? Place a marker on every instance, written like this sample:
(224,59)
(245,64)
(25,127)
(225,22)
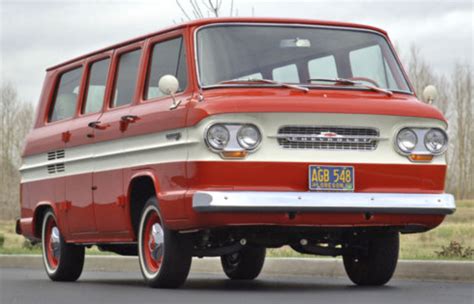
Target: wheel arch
(141,186)
(38,215)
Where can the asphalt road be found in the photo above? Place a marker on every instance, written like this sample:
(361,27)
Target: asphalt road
(31,286)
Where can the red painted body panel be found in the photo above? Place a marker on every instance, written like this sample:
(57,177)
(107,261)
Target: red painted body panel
(171,185)
(175,195)
(232,100)
(294,177)
(80,216)
(210,220)
(283,176)
(95,207)
(109,206)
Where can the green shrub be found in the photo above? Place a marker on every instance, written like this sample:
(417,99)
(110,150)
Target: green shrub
(2,240)
(28,245)
(455,250)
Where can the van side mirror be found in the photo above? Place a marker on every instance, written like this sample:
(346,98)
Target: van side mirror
(430,93)
(168,84)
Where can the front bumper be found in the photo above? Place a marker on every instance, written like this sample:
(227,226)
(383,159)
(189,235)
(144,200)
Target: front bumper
(262,201)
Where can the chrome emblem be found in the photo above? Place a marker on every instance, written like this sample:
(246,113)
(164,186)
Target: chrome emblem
(329,135)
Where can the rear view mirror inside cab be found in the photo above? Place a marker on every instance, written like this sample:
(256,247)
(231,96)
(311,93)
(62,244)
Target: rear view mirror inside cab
(295,43)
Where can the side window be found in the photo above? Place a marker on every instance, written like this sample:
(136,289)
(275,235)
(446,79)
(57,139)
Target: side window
(287,73)
(168,57)
(65,98)
(323,67)
(96,86)
(126,78)
(368,62)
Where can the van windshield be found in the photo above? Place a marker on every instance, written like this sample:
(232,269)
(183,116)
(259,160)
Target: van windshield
(296,54)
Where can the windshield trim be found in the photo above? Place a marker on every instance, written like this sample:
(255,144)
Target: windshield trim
(309,86)
(223,24)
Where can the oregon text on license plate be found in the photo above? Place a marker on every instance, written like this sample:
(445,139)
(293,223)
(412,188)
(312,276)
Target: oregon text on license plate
(331,178)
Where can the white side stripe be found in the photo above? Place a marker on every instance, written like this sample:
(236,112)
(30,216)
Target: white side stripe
(110,155)
(157,148)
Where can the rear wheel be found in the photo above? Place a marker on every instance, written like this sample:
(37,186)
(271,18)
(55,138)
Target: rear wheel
(165,258)
(377,265)
(245,264)
(62,261)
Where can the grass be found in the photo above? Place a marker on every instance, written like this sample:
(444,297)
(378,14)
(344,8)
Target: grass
(17,244)
(458,227)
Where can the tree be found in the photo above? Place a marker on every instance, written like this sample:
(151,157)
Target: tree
(204,9)
(421,74)
(464,150)
(455,100)
(16,121)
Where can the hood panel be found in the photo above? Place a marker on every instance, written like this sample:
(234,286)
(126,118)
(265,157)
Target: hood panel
(277,100)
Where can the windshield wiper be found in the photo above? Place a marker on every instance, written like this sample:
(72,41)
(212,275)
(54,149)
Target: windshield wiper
(344,81)
(282,84)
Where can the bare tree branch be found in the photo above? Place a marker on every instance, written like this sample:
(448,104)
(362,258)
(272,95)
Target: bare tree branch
(18,114)
(183,10)
(206,8)
(455,100)
(209,8)
(196,9)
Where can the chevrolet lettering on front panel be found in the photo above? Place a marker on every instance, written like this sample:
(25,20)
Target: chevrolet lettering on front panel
(224,137)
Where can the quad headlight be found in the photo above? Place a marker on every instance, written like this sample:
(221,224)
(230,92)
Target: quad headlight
(436,141)
(249,137)
(407,140)
(218,136)
(414,142)
(233,140)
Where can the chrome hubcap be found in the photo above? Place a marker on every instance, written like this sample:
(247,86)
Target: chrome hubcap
(55,242)
(155,245)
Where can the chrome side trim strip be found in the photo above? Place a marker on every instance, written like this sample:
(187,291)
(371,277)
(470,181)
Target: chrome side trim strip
(262,201)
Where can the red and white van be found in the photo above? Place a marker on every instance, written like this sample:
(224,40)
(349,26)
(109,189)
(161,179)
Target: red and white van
(224,137)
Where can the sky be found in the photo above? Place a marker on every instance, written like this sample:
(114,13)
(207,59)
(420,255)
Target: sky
(35,35)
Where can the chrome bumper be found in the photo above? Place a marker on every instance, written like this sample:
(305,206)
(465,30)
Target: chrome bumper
(259,201)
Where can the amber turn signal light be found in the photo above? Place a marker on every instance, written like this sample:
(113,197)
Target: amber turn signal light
(421,157)
(234,154)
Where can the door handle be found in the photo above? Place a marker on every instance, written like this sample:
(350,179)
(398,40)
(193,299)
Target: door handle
(97,125)
(126,120)
(129,118)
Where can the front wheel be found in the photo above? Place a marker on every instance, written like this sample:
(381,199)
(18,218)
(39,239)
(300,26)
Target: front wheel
(62,261)
(245,264)
(375,266)
(165,258)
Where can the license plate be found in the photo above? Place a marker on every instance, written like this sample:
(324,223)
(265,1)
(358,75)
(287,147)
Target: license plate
(331,178)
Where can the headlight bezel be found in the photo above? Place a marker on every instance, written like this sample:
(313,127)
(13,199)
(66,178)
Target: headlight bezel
(233,144)
(420,147)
